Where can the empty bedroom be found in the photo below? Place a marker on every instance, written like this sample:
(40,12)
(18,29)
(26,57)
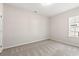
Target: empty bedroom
(39,29)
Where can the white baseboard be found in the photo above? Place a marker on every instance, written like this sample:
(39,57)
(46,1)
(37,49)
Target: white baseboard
(23,44)
(66,42)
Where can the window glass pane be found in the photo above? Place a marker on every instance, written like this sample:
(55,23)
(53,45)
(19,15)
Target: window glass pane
(71,33)
(74,26)
(76,33)
(77,29)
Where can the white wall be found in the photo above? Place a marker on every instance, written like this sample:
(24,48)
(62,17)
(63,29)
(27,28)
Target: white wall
(1,21)
(22,27)
(1,9)
(59,27)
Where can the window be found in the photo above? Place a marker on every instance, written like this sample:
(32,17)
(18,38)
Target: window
(74,26)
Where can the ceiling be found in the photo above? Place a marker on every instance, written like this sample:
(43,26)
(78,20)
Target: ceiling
(50,10)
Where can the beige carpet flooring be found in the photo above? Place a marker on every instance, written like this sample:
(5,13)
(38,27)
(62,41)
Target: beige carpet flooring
(42,48)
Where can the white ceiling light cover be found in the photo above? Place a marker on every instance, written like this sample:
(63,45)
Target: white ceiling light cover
(46,3)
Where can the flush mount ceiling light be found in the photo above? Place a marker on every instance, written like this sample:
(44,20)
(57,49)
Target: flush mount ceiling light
(46,3)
